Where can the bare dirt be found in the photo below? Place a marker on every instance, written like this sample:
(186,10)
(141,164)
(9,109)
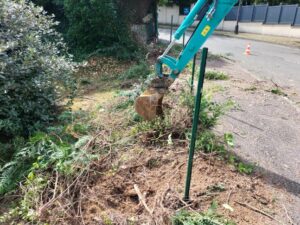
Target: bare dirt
(159,170)
(160,176)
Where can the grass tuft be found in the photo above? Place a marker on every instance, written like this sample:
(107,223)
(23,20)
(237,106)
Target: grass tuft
(277,91)
(216,75)
(194,218)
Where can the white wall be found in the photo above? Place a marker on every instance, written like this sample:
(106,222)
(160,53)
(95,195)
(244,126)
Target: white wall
(165,13)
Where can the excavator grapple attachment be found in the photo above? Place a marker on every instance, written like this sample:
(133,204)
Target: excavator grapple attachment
(149,104)
(210,13)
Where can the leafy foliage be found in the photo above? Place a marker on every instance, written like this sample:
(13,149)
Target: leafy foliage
(140,70)
(194,218)
(210,111)
(55,7)
(42,152)
(99,27)
(35,70)
(208,142)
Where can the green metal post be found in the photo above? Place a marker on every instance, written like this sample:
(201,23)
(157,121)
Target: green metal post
(193,73)
(195,125)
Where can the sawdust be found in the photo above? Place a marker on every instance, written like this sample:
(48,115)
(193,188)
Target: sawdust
(160,175)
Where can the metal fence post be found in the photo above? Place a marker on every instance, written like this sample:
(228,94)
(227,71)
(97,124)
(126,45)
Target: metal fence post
(195,125)
(171,31)
(253,9)
(236,29)
(265,20)
(280,12)
(295,17)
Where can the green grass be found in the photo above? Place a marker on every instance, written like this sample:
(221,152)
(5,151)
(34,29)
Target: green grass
(241,166)
(252,88)
(277,91)
(140,70)
(216,75)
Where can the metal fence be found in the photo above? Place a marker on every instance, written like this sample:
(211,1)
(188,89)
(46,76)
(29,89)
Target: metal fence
(280,14)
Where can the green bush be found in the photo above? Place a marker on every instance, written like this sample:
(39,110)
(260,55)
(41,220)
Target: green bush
(99,27)
(140,70)
(210,111)
(43,152)
(35,70)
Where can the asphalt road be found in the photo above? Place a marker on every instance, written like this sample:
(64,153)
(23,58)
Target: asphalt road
(267,61)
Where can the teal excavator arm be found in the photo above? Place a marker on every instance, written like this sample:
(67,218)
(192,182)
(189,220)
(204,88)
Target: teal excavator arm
(212,13)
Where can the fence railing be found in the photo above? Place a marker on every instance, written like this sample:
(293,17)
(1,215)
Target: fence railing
(280,14)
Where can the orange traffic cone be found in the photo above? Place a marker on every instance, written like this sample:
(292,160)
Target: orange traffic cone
(248,51)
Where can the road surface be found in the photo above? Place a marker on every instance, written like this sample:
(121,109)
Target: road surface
(267,61)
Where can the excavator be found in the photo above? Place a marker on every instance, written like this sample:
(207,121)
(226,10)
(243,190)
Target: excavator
(209,13)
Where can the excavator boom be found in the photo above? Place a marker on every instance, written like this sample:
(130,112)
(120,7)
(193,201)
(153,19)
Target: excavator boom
(210,13)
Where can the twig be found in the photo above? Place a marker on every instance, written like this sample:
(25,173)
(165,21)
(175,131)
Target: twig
(184,207)
(55,186)
(62,193)
(142,198)
(229,195)
(183,202)
(176,172)
(276,85)
(258,211)
(80,210)
(287,215)
(163,197)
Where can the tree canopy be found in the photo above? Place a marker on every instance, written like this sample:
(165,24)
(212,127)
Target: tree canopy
(93,26)
(244,2)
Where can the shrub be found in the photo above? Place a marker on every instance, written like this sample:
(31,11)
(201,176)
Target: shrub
(35,70)
(99,27)
(194,218)
(277,91)
(140,70)
(210,111)
(43,152)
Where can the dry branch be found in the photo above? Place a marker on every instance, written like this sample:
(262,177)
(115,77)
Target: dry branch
(259,211)
(142,199)
(287,215)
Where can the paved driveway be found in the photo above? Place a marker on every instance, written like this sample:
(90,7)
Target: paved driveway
(268,61)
